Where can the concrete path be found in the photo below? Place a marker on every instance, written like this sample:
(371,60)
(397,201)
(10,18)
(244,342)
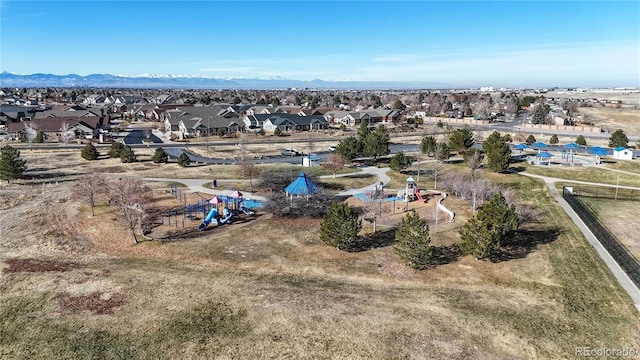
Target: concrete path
(617,271)
(195,185)
(381,173)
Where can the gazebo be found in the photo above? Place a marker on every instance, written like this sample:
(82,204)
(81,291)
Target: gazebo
(520,147)
(544,155)
(598,152)
(301,186)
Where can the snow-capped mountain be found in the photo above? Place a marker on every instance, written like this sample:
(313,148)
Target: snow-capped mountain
(193,82)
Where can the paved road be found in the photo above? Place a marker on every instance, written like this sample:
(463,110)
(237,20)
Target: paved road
(617,271)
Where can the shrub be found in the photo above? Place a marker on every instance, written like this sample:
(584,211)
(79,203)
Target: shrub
(89,152)
(160,156)
(127,155)
(184,160)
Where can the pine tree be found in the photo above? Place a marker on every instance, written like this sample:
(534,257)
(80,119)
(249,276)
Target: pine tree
(442,152)
(39,137)
(413,243)
(618,138)
(428,145)
(492,227)
(580,140)
(530,139)
(160,156)
(340,226)
(400,162)
(11,165)
(553,139)
(349,148)
(127,155)
(498,152)
(89,152)
(184,160)
(461,139)
(116,149)
(277,132)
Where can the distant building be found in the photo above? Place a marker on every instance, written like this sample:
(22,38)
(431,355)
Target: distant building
(622,153)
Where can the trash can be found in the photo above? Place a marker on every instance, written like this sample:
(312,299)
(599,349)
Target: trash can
(215,183)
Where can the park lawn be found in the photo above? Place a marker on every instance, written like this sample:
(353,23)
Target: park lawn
(271,289)
(354,181)
(587,173)
(626,165)
(619,217)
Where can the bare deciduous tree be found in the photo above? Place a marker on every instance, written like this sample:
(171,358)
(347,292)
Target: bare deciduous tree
(88,189)
(247,169)
(31,131)
(334,163)
(130,196)
(436,168)
(65,134)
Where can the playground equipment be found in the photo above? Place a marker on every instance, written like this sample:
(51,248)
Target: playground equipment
(411,192)
(213,217)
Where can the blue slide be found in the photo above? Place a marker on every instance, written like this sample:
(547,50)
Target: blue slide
(212,217)
(246,210)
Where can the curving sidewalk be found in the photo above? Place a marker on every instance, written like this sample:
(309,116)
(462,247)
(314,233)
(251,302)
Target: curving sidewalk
(195,185)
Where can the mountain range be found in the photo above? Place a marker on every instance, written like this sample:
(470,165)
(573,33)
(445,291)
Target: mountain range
(148,81)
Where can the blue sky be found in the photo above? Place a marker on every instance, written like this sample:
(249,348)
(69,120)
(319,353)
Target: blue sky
(459,43)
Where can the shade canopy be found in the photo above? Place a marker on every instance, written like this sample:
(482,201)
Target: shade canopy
(520,147)
(215,200)
(236,194)
(572,146)
(538,144)
(545,155)
(597,150)
(302,186)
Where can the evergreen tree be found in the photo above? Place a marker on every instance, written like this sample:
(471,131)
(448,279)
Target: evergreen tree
(183,160)
(580,140)
(116,149)
(498,152)
(442,152)
(89,152)
(220,132)
(277,132)
(461,139)
(160,156)
(398,105)
(618,138)
(507,138)
(492,227)
(340,226)
(127,155)
(11,164)
(553,139)
(530,139)
(413,243)
(39,137)
(363,132)
(428,145)
(400,161)
(471,154)
(262,132)
(376,143)
(349,148)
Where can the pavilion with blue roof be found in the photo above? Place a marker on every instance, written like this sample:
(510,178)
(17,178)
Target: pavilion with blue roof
(301,186)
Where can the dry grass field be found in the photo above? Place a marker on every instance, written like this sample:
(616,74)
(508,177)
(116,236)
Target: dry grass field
(612,119)
(620,218)
(75,286)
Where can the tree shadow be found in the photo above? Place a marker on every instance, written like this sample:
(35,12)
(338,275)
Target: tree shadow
(443,255)
(524,243)
(380,238)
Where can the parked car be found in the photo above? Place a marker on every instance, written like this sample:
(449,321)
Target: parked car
(290,152)
(332,148)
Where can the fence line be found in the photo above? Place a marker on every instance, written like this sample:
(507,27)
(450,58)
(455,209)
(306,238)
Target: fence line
(619,252)
(604,192)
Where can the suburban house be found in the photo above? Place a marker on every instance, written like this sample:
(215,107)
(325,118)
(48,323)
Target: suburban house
(94,99)
(53,128)
(622,153)
(200,121)
(13,113)
(287,122)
